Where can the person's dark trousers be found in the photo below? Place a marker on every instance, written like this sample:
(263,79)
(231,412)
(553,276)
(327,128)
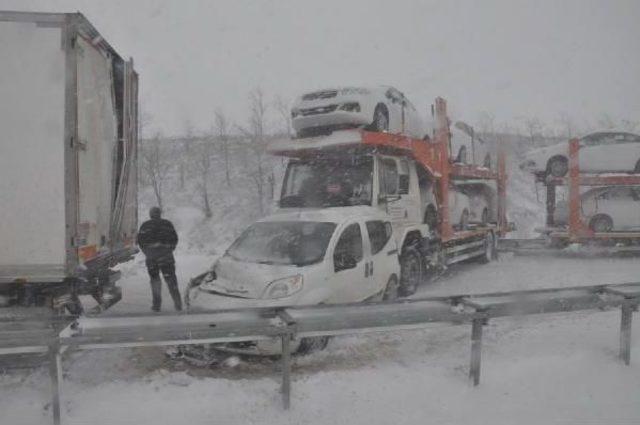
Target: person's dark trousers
(167,265)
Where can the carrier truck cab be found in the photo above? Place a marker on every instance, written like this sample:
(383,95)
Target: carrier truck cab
(395,185)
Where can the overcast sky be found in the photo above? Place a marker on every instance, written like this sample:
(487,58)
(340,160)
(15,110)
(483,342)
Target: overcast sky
(511,58)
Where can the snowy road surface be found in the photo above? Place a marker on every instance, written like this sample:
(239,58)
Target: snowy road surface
(550,369)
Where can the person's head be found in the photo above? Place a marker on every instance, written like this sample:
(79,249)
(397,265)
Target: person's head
(155,212)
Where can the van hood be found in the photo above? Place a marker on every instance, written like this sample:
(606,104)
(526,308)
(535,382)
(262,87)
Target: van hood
(246,280)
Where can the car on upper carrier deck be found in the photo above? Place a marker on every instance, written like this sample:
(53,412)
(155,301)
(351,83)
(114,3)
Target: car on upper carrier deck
(381,108)
(600,152)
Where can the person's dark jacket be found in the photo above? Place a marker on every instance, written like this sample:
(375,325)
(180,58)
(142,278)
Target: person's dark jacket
(157,237)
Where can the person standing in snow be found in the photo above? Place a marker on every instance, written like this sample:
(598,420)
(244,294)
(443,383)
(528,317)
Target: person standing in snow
(157,238)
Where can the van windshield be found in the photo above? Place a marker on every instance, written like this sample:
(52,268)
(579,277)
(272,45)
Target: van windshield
(296,243)
(328,182)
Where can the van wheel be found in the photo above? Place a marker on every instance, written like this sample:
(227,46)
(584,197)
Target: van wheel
(489,249)
(411,271)
(391,291)
(601,223)
(311,344)
(637,169)
(558,166)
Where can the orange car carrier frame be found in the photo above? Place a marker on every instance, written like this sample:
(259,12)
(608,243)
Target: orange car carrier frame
(577,230)
(433,156)
(435,159)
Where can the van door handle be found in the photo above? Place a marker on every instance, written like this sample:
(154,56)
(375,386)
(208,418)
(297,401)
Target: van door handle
(371,268)
(366,269)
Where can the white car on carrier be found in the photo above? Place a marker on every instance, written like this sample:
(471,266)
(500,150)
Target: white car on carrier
(601,152)
(606,209)
(303,257)
(380,108)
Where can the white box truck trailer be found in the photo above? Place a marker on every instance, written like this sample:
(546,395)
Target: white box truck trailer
(68,161)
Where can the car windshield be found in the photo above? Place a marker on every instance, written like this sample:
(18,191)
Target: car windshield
(328,182)
(296,243)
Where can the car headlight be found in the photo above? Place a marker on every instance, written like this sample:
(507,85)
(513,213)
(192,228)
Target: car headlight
(282,288)
(350,107)
(295,112)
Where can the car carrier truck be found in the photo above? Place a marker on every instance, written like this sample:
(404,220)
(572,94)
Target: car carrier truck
(68,167)
(411,179)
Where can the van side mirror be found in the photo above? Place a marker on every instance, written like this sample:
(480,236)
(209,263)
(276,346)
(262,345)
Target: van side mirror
(344,261)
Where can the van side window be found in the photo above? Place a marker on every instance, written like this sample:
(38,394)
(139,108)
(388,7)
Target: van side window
(388,177)
(379,235)
(349,245)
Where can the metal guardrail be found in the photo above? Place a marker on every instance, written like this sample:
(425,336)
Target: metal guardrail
(297,322)
(544,246)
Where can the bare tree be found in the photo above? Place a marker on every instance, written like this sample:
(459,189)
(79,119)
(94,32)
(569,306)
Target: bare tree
(568,127)
(533,127)
(144,122)
(185,152)
(284,111)
(629,125)
(487,123)
(203,150)
(605,121)
(222,133)
(156,165)
(255,132)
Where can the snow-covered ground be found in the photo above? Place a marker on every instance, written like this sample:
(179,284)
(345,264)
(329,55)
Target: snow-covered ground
(560,368)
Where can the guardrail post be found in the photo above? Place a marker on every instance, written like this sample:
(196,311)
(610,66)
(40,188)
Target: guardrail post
(476,350)
(286,370)
(55,373)
(625,333)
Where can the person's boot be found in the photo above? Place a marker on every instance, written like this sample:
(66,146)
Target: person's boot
(156,294)
(172,284)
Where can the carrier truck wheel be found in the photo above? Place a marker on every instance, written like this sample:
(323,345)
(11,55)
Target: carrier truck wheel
(489,248)
(601,223)
(558,166)
(411,271)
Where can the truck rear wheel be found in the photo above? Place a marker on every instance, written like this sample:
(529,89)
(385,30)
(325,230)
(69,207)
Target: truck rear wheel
(411,271)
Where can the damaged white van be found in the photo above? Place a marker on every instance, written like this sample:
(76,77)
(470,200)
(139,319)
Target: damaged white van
(303,257)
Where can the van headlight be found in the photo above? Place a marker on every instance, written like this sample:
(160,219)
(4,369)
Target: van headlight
(284,287)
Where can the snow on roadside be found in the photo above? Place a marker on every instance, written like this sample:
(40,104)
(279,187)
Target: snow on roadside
(546,369)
